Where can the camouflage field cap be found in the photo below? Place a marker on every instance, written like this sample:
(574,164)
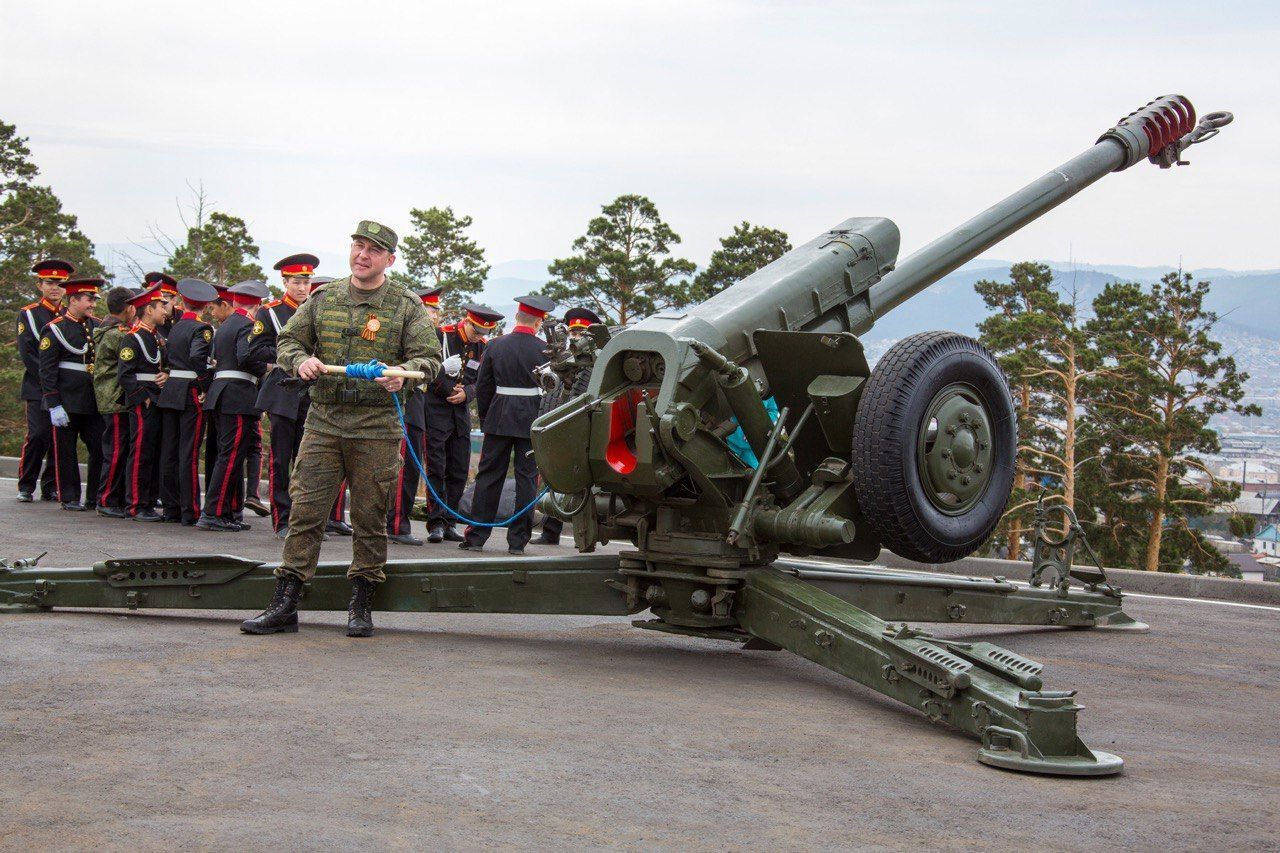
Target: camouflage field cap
(377,233)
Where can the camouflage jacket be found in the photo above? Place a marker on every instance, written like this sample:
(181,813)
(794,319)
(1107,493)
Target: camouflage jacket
(108,337)
(343,325)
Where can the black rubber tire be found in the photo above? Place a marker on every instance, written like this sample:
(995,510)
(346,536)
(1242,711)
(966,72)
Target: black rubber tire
(885,446)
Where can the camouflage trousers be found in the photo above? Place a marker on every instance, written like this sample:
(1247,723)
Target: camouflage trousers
(370,467)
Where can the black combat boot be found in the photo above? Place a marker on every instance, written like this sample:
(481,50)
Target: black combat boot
(281,615)
(360,611)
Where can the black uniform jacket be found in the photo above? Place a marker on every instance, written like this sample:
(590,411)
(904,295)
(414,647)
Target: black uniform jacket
(508,365)
(439,389)
(260,354)
(66,365)
(188,346)
(141,358)
(232,395)
(31,322)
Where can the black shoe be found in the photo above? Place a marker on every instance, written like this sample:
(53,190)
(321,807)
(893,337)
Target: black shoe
(112,512)
(360,611)
(544,539)
(435,531)
(339,527)
(259,508)
(242,525)
(73,506)
(281,615)
(50,498)
(210,522)
(148,515)
(404,538)
(516,552)
(464,545)
(25,497)
(172,519)
(451,535)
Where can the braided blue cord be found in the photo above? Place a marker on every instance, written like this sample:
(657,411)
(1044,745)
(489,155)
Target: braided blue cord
(374,369)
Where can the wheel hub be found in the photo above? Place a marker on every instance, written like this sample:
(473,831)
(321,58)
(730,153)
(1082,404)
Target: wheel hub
(954,453)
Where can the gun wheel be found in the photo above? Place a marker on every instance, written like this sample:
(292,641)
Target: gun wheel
(933,447)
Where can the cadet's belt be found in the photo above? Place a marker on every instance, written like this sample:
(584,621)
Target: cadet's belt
(73,365)
(235,374)
(146,377)
(512,391)
(183,374)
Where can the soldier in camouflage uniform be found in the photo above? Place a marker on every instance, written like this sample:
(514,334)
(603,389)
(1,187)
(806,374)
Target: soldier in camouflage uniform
(352,430)
(108,338)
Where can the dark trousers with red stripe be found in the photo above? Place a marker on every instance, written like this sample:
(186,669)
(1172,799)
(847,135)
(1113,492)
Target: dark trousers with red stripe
(253,458)
(406,491)
(224,497)
(115,459)
(88,430)
(286,438)
(37,448)
(144,454)
(180,460)
(495,456)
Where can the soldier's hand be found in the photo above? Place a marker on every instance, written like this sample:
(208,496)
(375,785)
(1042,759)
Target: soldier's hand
(161,378)
(459,395)
(312,368)
(391,383)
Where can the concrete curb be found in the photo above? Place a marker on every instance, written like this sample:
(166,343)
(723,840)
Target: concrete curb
(1154,583)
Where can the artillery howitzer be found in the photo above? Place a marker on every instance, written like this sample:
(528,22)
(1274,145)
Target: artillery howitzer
(916,456)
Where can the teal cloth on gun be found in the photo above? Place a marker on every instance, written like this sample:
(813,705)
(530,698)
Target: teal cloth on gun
(738,440)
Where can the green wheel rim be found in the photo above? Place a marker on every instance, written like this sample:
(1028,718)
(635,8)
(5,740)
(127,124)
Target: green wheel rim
(954,451)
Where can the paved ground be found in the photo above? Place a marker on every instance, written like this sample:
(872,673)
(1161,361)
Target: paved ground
(120,730)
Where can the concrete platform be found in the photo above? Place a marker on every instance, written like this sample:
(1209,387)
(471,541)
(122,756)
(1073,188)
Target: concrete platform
(126,730)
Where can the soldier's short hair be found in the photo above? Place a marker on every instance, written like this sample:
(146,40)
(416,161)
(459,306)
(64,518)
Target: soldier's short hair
(118,298)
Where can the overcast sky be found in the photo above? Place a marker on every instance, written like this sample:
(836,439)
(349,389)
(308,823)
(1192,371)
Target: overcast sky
(304,117)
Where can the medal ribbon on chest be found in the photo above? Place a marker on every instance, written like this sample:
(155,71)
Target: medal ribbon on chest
(371,328)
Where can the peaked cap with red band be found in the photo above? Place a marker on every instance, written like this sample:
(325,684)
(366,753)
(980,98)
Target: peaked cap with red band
(430,296)
(248,292)
(146,297)
(82,286)
(52,269)
(319,281)
(535,304)
(481,316)
(580,318)
(302,264)
(196,293)
(168,284)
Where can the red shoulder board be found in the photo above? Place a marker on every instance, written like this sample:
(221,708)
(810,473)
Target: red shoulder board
(58,319)
(273,303)
(452,327)
(29,307)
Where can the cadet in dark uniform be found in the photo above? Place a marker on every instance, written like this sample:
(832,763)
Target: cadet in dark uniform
(232,400)
(507,396)
(167,499)
(449,414)
(405,491)
(141,370)
(37,447)
(188,347)
(66,381)
(577,320)
(285,406)
(108,338)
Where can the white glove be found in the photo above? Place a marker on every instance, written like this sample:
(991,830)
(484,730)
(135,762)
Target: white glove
(58,416)
(452,365)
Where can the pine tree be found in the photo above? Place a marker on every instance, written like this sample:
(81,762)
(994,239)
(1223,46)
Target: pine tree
(438,253)
(621,269)
(1162,378)
(747,249)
